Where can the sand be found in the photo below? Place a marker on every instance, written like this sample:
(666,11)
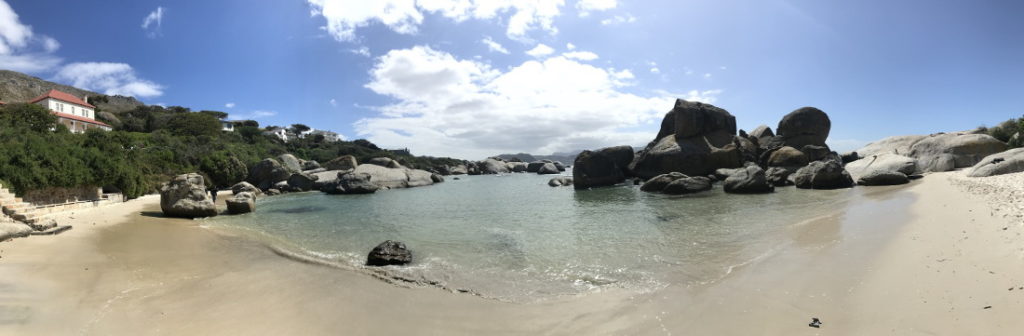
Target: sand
(920,259)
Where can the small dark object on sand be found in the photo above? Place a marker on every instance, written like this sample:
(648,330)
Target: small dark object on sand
(815,323)
(987,307)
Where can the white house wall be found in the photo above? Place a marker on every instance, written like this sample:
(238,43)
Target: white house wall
(65,107)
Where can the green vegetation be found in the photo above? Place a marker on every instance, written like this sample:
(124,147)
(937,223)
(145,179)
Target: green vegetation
(151,144)
(1007,129)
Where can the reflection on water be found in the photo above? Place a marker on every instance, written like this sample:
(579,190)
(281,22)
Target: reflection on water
(514,237)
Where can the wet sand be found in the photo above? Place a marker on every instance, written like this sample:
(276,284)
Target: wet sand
(919,259)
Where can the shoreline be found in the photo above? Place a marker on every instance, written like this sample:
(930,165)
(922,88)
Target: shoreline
(149,273)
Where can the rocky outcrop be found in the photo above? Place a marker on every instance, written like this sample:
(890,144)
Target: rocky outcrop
(778,176)
(11,229)
(458,170)
(750,180)
(384,162)
(266,173)
(241,203)
(600,168)
(244,187)
(561,181)
(548,169)
(822,175)
(805,126)
(882,163)
(302,181)
(518,167)
(185,196)
(310,165)
(344,162)
(882,177)
(389,253)
(949,151)
(1008,162)
(290,162)
(762,132)
(892,145)
(695,139)
(658,183)
(491,167)
(787,157)
(687,185)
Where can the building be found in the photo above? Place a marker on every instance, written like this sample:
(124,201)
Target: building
(328,135)
(227,126)
(72,112)
(278,132)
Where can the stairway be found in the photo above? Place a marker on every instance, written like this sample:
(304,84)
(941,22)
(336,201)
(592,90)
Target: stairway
(36,217)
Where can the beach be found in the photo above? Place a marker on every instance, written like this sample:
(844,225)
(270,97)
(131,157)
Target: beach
(926,258)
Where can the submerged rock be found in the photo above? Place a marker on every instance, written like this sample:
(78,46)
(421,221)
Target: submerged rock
(658,183)
(687,185)
(185,196)
(389,253)
(548,169)
(561,181)
(598,169)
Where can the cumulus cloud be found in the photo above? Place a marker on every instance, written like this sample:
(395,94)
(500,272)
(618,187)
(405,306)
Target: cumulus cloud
(464,108)
(109,78)
(570,46)
(333,102)
(581,55)
(587,6)
(361,51)
(619,19)
(540,50)
(20,48)
(229,105)
(252,115)
(153,23)
(344,17)
(494,46)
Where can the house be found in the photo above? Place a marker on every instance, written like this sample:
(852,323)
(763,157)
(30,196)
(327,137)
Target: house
(227,126)
(328,135)
(278,132)
(72,112)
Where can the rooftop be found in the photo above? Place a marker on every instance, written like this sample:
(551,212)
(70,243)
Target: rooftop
(58,95)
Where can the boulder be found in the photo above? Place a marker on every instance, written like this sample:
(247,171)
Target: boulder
(761,132)
(534,166)
(882,177)
(693,119)
(882,163)
(815,152)
(436,178)
(849,157)
(822,175)
(621,155)
(596,169)
(417,178)
(273,192)
(243,202)
(266,173)
(492,166)
(548,169)
(310,165)
(778,176)
(244,187)
(687,185)
(314,171)
(519,167)
(560,181)
(290,162)
(805,126)
(185,196)
(302,181)
(43,225)
(389,253)
(750,180)
(384,162)
(561,166)
(1008,162)
(702,140)
(690,157)
(458,170)
(787,157)
(351,183)
(11,229)
(724,173)
(658,183)
(945,152)
(344,162)
(891,145)
(283,186)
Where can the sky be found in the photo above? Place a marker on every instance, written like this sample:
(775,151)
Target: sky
(475,78)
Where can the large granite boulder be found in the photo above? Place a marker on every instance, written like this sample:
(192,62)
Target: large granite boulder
(290,162)
(695,139)
(827,174)
(518,167)
(778,176)
(561,166)
(243,202)
(658,183)
(596,169)
(885,162)
(11,229)
(310,165)
(687,185)
(892,145)
(949,151)
(750,180)
(560,181)
(302,181)
(694,119)
(787,157)
(761,133)
(688,156)
(816,153)
(882,177)
(534,166)
(185,196)
(548,169)
(244,187)
(344,162)
(266,173)
(385,162)
(1008,162)
(351,183)
(805,126)
(389,253)
(491,167)
(417,178)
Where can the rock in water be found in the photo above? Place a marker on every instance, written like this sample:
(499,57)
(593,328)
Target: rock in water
(492,166)
(560,181)
(883,177)
(750,180)
(596,169)
(1008,162)
(290,162)
(688,185)
(243,202)
(389,253)
(244,187)
(185,196)
(805,126)
(355,183)
(302,181)
(548,169)
(658,183)
(695,139)
(344,162)
(266,173)
(822,175)
(778,176)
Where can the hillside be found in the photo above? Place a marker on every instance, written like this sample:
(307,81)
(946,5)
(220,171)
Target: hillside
(16,87)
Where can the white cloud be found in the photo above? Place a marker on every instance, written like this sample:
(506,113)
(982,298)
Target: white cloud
(361,51)
(706,96)
(464,108)
(655,70)
(540,50)
(153,23)
(109,78)
(587,6)
(707,76)
(619,19)
(570,46)
(687,71)
(723,68)
(253,115)
(20,48)
(581,55)
(494,46)
(333,102)
(404,16)
(229,105)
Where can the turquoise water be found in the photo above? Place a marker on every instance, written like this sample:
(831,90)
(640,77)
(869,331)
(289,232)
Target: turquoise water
(513,237)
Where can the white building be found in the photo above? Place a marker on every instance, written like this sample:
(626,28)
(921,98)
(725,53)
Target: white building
(227,126)
(72,112)
(278,132)
(328,135)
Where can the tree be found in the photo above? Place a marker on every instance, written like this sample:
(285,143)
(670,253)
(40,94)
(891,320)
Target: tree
(299,128)
(216,114)
(31,117)
(193,124)
(223,169)
(250,123)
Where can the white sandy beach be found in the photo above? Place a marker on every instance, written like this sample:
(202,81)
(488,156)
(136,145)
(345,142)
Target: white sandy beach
(925,259)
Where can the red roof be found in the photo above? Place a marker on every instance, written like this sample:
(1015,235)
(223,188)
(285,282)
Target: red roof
(78,118)
(62,96)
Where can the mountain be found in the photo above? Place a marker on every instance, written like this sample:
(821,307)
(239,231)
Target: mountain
(16,87)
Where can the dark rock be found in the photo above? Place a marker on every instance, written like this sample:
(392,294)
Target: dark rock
(243,202)
(750,180)
(389,253)
(534,166)
(185,196)
(849,157)
(266,173)
(805,126)
(658,183)
(301,181)
(244,187)
(344,162)
(787,157)
(822,175)
(687,185)
(560,181)
(815,153)
(561,166)
(878,177)
(778,176)
(436,178)
(310,165)
(596,169)
(548,169)
(694,119)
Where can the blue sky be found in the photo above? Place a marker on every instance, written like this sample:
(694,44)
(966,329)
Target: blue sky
(470,79)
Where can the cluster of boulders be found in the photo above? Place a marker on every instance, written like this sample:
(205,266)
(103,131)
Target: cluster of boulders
(496,165)
(895,159)
(342,175)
